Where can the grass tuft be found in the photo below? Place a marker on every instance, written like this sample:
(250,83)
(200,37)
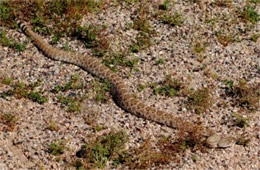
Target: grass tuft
(104,149)
(56,148)
(200,100)
(9,120)
(249,14)
(5,41)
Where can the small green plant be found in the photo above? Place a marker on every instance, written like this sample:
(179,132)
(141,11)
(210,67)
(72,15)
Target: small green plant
(211,21)
(101,88)
(243,141)
(200,100)
(229,83)
(200,47)
(99,128)
(160,61)
(73,84)
(6,80)
(78,164)
(5,12)
(7,93)
(56,148)
(169,87)
(230,86)
(249,14)
(240,121)
(255,37)
(113,60)
(74,107)
(5,41)
(107,148)
(37,97)
(247,95)
(146,156)
(21,90)
(225,39)
(255,1)
(142,25)
(167,148)
(72,103)
(87,34)
(56,38)
(141,87)
(223,3)
(143,41)
(38,23)
(9,120)
(92,37)
(165,5)
(174,20)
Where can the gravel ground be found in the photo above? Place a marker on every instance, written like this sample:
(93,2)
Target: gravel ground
(25,146)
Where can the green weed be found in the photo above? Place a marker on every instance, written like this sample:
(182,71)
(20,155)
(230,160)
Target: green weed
(101,88)
(5,41)
(240,121)
(200,100)
(174,20)
(143,41)
(245,95)
(73,84)
(56,148)
(255,37)
(165,5)
(167,149)
(249,14)
(37,97)
(169,87)
(243,141)
(21,90)
(200,47)
(72,103)
(160,61)
(9,120)
(107,148)
(6,80)
(114,60)
(6,13)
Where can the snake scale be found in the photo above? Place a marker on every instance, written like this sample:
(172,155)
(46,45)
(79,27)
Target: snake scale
(120,91)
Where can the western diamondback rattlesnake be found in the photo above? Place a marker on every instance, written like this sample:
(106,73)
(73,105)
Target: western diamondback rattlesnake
(124,98)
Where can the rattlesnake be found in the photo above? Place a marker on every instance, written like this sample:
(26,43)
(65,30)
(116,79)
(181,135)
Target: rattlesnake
(120,91)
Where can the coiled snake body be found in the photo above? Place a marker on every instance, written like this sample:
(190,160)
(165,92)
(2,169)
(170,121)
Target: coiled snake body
(123,97)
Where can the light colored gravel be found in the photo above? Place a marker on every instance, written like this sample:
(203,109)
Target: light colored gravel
(25,147)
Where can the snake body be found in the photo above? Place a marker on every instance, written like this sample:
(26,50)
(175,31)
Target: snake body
(120,91)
